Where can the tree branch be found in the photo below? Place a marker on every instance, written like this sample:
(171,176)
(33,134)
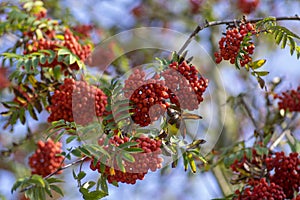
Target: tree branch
(207,24)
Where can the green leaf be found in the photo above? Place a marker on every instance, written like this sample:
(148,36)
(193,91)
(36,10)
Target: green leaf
(84,151)
(127,144)
(17,185)
(262,73)
(54,180)
(267,139)
(192,162)
(38,180)
(185,161)
(120,164)
(27,65)
(128,157)
(262,151)
(63,51)
(278,36)
(88,185)
(43,59)
(73,59)
(249,153)
(76,153)
(283,44)
(94,195)
(103,183)
(81,175)
(57,189)
(134,150)
(39,33)
(71,138)
(32,112)
(228,160)
(292,45)
(257,64)
(22,115)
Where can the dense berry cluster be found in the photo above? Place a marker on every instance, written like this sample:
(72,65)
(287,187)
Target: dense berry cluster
(287,172)
(147,160)
(45,159)
(262,191)
(70,42)
(230,45)
(148,97)
(185,87)
(290,100)
(247,6)
(74,101)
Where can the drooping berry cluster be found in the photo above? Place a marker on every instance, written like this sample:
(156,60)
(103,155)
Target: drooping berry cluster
(148,97)
(185,86)
(77,101)
(70,42)
(45,159)
(231,45)
(147,160)
(262,191)
(287,172)
(290,100)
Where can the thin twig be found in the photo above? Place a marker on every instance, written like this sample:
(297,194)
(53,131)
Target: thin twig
(242,101)
(56,171)
(207,24)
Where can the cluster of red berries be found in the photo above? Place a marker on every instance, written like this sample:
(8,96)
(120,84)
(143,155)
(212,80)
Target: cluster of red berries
(70,42)
(148,97)
(263,190)
(74,101)
(247,6)
(185,87)
(290,100)
(230,45)
(287,172)
(147,160)
(45,159)
(83,29)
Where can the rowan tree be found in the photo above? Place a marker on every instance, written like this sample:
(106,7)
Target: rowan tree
(117,105)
